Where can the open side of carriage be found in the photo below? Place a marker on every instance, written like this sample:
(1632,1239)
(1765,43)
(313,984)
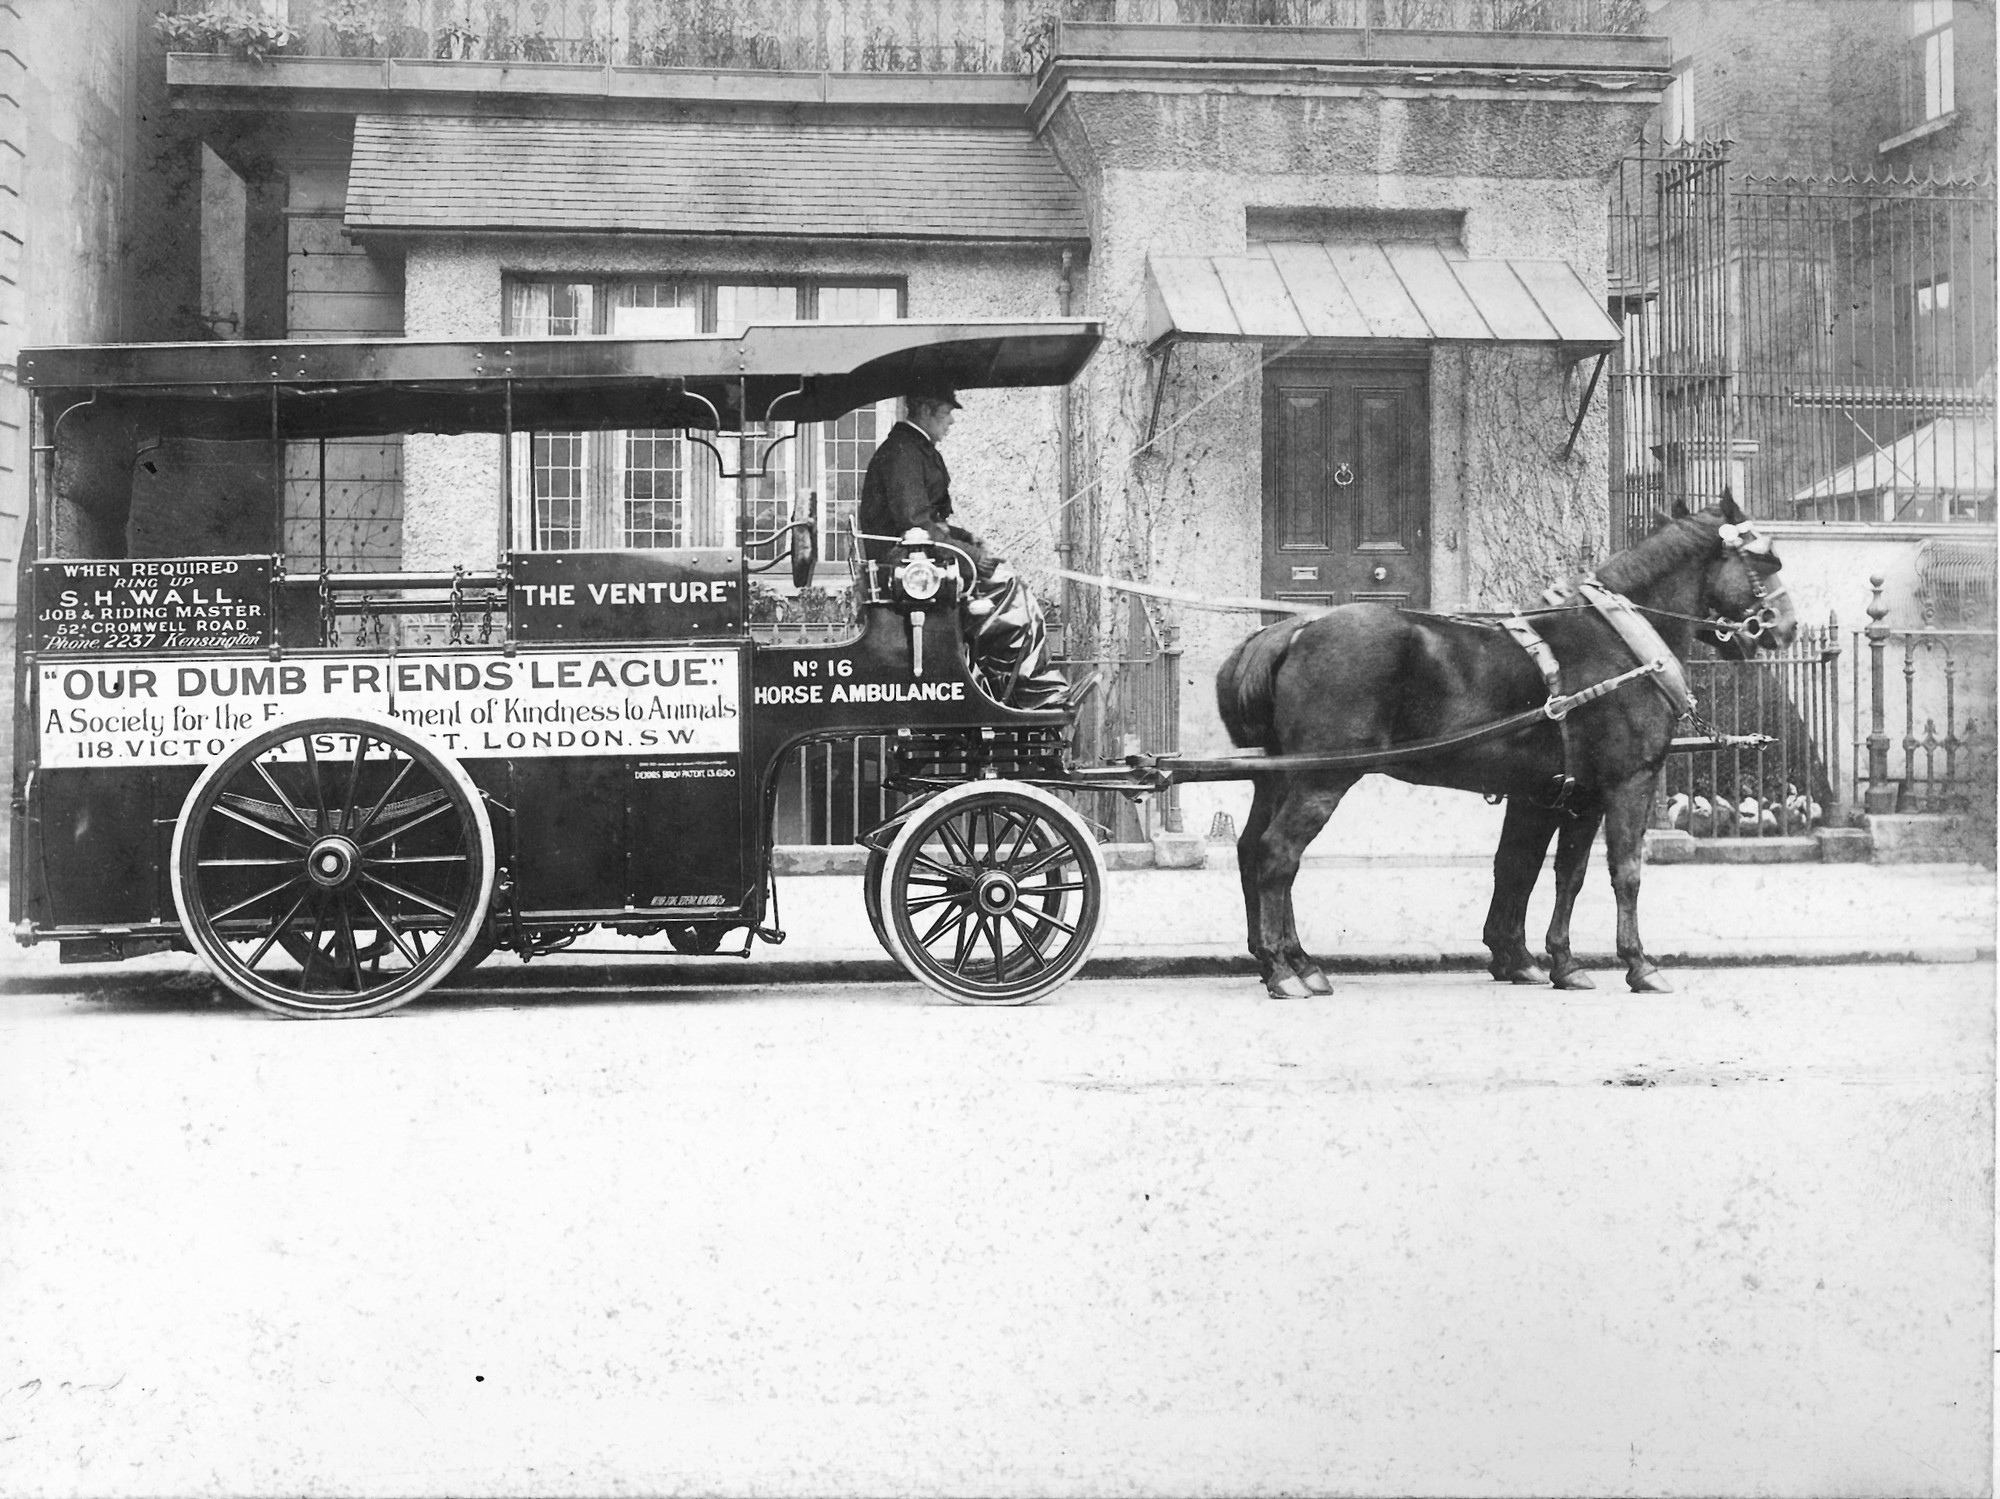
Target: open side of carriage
(342,787)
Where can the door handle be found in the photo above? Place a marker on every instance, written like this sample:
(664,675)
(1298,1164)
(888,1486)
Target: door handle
(1343,475)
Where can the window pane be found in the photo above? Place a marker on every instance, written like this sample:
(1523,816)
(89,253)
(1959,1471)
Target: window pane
(857,304)
(558,467)
(737,307)
(655,489)
(850,442)
(656,309)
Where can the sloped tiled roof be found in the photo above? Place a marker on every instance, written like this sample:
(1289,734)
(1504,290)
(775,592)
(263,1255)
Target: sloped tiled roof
(707,177)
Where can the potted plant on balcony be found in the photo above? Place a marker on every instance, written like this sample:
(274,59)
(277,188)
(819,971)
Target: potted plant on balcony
(224,33)
(360,28)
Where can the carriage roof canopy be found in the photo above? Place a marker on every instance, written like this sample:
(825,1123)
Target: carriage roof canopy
(369,387)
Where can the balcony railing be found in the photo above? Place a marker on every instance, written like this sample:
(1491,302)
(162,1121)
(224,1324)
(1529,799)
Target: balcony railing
(848,36)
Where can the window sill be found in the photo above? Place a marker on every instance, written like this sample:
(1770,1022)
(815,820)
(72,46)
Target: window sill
(1922,132)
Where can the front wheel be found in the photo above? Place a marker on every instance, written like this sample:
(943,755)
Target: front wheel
(333,867)
(992,893)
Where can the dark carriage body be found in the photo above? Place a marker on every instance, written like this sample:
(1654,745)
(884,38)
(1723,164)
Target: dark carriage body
(619,717)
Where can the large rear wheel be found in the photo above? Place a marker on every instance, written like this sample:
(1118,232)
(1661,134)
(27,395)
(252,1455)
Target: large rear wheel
(333,867)
(992,893)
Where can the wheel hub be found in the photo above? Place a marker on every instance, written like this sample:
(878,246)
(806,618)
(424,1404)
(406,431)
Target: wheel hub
(995,892)
(333,863)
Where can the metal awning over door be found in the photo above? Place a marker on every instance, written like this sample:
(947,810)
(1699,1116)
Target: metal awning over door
(1369,290)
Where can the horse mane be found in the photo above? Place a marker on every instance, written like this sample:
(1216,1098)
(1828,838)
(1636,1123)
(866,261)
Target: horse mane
(1683,539)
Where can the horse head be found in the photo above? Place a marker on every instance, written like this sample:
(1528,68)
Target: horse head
(1743,598)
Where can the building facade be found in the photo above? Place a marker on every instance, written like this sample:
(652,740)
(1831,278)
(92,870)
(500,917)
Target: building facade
(1350,258)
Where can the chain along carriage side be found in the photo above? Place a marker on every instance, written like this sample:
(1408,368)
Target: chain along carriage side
(342,788)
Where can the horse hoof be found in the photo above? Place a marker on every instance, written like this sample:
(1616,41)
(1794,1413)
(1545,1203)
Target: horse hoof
(1572,978)
(1317,981)
(1522,973)
(1288,986)
(1649,982)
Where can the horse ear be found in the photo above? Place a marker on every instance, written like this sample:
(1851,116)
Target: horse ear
(1680,509)
(1732,513)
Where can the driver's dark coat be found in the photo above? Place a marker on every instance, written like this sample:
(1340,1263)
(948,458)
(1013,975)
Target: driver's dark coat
(906,485)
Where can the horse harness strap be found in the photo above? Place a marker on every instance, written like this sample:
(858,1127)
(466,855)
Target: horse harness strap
(1655,661)
(1642,640)
(1529,639)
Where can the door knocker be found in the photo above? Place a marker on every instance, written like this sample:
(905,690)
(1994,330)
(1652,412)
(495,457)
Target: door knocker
(1343,476)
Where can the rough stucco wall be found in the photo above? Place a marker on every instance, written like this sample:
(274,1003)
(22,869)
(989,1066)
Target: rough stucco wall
(1002,452)
(1531,518)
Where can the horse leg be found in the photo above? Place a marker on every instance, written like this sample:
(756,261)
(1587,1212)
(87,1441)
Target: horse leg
(1572,864)
(1626,812)
(1300,811)
(1249,854)
(1517,864)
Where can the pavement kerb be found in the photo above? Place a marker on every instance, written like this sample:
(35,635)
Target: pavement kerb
(609,975)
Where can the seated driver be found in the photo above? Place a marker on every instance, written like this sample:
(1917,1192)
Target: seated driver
(907,485)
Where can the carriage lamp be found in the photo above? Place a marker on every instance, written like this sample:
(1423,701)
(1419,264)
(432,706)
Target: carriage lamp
(920,579)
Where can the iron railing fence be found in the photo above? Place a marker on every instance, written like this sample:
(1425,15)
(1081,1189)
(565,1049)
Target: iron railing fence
(1924,705)
(925,36)
(1786,788)
(1668,254)
(1822,345)
(1864,347)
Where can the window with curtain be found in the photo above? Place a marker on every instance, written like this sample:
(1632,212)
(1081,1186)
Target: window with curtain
(656,488)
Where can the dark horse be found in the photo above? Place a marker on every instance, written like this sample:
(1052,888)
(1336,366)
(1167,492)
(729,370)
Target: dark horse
(1364,678)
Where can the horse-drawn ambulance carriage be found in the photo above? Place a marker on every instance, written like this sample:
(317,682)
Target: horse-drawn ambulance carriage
(340,787)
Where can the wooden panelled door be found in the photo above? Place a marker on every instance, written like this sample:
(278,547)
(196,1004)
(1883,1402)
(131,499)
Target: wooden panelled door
(1347,481)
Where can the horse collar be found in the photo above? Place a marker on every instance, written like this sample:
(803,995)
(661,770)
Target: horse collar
(1642,640)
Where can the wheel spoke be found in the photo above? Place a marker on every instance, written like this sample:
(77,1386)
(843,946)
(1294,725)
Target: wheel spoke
(353,947)
(963,948)
(1061,853)
(991,926)
(1028,941)
(951,876)
(1053,887)
(353,782)
(1022,827)
(425,859)
(258,824)
(389,927)
(956,845)
(931,900)
(284,800)
(394,889)
(312,948)
(1047,918)
(284,884)
(319,786)
(956,914)
(272,935)
(243,863)
(382,800)
(442,806)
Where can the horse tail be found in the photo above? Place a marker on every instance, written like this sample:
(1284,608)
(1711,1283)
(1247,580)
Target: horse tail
(1243,688)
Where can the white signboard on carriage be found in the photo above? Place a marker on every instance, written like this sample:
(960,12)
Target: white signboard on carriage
(651,702)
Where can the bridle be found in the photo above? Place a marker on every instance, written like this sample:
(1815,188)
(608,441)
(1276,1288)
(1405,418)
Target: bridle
(1753,549)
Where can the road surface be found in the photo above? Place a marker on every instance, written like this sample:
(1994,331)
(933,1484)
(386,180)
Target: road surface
(1429,1235)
